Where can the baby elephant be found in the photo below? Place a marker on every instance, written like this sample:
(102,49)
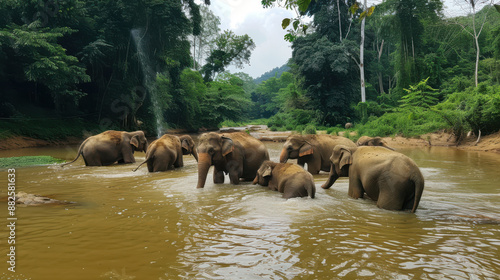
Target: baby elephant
(166,152)
(388,177)
(372,141)
(287,178)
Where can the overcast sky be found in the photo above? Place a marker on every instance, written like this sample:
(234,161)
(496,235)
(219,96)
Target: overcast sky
(264,27)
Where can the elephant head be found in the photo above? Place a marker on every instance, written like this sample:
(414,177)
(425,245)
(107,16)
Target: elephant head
(340,161)
(295,146)
(138,141)
(342,158)
(212,148)
(372,141)
(187,145)
(264,173)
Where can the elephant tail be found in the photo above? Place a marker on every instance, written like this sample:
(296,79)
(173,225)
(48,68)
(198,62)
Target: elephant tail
(418,181)
(134,170)
(80,152)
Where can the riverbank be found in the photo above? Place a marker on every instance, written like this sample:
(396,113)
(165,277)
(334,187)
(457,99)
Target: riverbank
(488,143)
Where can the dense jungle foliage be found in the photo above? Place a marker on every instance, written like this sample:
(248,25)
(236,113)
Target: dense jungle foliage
(72,67)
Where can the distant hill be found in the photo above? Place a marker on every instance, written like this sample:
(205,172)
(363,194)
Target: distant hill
(269,74)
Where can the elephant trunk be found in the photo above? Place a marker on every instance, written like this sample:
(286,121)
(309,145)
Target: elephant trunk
(256,180)
(332,177)
(284,155)
(195,154)
(204,163)
(392,149)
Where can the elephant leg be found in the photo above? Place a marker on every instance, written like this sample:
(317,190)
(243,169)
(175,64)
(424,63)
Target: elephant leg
(161,165)
(234,178)
(179,160)
(314,166)
(93,161)
(389,202)
(218,176)
(356,189)
(294,192)
(393,197)
(150,166)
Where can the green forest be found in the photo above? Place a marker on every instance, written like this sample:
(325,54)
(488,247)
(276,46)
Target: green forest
(69,67)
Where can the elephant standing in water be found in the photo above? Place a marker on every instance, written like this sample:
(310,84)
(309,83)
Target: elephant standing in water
(372,141)
(388,177)
(315,150)
(287,178)
(237,154)
(111,146)
(167,151)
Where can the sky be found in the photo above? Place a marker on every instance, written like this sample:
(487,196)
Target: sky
(264,27)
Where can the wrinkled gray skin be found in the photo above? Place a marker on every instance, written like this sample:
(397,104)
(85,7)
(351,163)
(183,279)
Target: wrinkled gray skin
(372,141)
(315,150)
(167,152)
(388,177)
(287,178)
(111,146)
(237,154)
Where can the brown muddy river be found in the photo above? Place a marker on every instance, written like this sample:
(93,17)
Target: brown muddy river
(126,225)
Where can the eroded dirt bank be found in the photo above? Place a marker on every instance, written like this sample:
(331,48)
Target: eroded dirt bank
(488,143)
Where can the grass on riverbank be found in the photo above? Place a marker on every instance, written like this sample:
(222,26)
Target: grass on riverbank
(11,162)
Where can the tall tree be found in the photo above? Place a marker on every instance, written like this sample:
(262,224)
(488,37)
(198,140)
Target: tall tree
(229,49)
(408,17)
(203,43)
(475,28)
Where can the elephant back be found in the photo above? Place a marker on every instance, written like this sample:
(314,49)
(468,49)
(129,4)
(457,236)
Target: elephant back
(111,136)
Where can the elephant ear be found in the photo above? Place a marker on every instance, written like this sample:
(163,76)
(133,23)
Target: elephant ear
(268,172)
(305,150)
(185,145)
(227,145)
(345,158)
(134,142)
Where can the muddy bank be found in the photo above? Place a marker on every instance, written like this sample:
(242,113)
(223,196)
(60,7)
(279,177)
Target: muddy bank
(19,142)
(488,143)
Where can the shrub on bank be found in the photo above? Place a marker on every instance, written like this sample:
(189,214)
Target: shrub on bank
(406,122)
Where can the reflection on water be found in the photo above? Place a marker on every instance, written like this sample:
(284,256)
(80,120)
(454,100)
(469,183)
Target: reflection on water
(140,225)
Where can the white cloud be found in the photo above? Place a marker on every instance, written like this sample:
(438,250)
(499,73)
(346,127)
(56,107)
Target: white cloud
(262,25)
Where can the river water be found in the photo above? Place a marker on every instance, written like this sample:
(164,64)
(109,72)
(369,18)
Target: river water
(126,225)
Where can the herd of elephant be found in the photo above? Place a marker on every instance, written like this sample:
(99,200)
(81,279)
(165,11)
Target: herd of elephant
(388,177)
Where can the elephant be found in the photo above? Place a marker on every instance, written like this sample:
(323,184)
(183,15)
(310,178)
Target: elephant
(315,150)
(388,177)
(348,125)
(111,146)
(237,154)
(167,151)
(287,178)
(372,141)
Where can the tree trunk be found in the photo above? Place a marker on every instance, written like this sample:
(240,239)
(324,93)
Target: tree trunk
(361,58)
(340,23)
(380,78)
